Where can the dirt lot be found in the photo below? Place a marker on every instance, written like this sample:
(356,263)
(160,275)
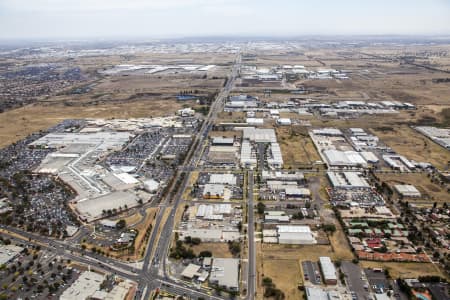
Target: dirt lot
(408,142)
(404,270)
(431,192)
(296,146)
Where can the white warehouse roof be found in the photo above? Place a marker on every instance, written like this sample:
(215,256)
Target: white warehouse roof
(229,179)
(347,180)
(260,135)
(407,190)
(328,269)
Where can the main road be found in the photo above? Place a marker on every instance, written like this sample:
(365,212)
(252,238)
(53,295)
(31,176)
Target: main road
(251,273)
(153,274)
(155,264)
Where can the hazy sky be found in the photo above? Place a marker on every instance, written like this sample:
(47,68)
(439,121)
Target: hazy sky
(180,18)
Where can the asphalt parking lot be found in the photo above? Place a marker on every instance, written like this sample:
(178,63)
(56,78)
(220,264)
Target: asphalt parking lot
(311,272)
(377,281)
(356,280)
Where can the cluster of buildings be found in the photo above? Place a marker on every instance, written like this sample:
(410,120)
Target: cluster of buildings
(223,152)
(220,272)
(153,69)
(127,147)
(260,144)
(215,222)
(284,185)
(24,84)
(89,285)
(440,136)
(254,75)
(357,149)
(218,186)
(289,234)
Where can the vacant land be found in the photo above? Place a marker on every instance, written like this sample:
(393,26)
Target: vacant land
(297,147)
(340,244)
(404,270)
(286,275)
(431,191)
(17,124)
(217,249)
(408,142)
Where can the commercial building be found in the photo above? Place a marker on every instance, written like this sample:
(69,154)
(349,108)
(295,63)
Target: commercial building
(298,177)
(293,234)
(440,136)
(276,159)
(399,162)
(248,156)
(328,270)
(348,180)
(258,135)
(284,121)
(407,190)
(220,141)
(213,191)
(255,121)
(212,235)
(225,273)
(8,253)
(186,112)
(276,217)
(84,287)
(191,271)
(337,158)
(228,179)
(213,211)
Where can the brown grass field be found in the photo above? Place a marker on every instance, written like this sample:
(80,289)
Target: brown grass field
(18,123)
(217,249)
(286,275)
(404,270)
(431,192)
(296,146)
(408,142)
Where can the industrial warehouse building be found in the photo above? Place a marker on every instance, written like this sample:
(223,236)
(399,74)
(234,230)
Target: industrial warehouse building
(225,273)
(337,158)
(229,179)
(213,191)
(248,156)
(84,287)
(407,190)
(284,121)
(256,135)
(328,270)
(220,141)
(348,180)
(296,235)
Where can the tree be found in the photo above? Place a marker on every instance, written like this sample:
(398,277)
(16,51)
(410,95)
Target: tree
(260,207)
(330,228)
(205,253)
(121,224)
